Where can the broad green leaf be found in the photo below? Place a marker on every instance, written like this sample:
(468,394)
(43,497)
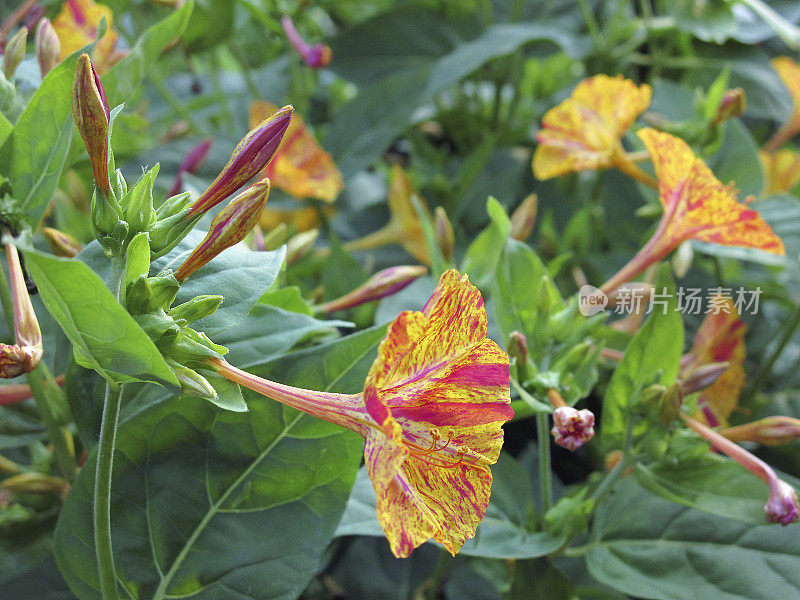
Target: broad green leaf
(211,24)
(122,80)
(648,547)
(485,251)
(5,128)
(652,356)
(216,505)
(503,532)
(103,334)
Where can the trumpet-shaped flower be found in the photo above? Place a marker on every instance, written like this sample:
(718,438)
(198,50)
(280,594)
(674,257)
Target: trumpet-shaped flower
(584,132)
(76,26)
(431,412)
(300,167)
(23,356)
(696,206)
(781,170)
(572,428)
(789,72)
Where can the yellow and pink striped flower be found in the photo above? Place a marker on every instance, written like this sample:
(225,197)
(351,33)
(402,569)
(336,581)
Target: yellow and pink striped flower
(431,412)
(76,26)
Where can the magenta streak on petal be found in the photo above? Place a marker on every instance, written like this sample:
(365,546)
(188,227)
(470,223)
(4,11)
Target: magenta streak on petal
(443,414)
(478,375)
(77,13)
(376,409)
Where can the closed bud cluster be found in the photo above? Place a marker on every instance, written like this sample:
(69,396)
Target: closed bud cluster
(229,227)
(381,284)
(48,48)
(15,52)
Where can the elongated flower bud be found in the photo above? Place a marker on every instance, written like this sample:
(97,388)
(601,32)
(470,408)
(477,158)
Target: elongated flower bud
(316,56)
(443,229)
(250,156)
(229,227)
(15,52)
(572,428)
(48,48)
(91,113)
(517,347)
(26,353)
(703,377)
(732,105)
(299,245)
(523,219)
(381,284)
(62,244)
(771,431)
(34,483)
(192,383)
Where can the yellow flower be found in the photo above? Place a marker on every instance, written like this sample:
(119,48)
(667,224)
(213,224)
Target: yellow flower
(585,131)
(76,25)
(789,72)
(781,170)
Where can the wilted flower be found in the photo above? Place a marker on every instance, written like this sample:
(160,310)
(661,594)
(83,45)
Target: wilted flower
(14,52)
(789,72)
(300,167)
(696,206)
(191,163)
(770,431)
(381,284)
(229,227)
(48,47)
(62,244)
(91,114)
(782,504)
(23,356)
(431,411)
(251,154)
(781,170)
(585,131)
(316,56)
(572,428)
(76,26)
(719,340)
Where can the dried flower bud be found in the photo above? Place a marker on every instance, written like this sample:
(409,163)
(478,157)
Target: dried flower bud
(250,156)
(381,284)
(523,218)
(517,347)
(191,163)
(91,114)
(316,56)
(48,48)
(62,244)
(23,356)
(15,52)
(445,237)
(229,227)
(782,505)
(703,377)
(771,431)
(299,245)
(732,105)
(572,428)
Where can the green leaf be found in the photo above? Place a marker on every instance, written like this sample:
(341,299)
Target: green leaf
(137,260)
(503,532)
(5,129)
(104,336)
(193,482)
(651,548)
(711,21)
(652,356)
(483,254)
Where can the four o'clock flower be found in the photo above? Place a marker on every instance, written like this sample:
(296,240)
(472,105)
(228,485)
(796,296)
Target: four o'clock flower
(585,131)
(23,356)
(381,284)
(316,56)
(92,115)
(696,206)
(250,156)
(229,227)
(781,170)
(431,412)
(47,46)
(782,505)
(76,26)
(572,428)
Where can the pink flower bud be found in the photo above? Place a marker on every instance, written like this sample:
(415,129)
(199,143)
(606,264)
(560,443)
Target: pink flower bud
(703,377)
(781,507)
(48,48)
(191,163)
(229,227)
(732,105)
(771,431)
(250,156)
(23,356)
(572,428)
(62,244)
(381,284)
(517,347)
(91,114)
(316,56)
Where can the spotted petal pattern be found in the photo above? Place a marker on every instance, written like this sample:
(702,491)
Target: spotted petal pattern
(720,338)
(76,26)
(696,205)
(584,131)
(300,167)
(439,393)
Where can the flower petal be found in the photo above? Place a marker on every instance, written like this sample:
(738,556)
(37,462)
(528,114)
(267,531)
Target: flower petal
(789,72)
(781,170)
(584,131)
(76,26)
(697,205)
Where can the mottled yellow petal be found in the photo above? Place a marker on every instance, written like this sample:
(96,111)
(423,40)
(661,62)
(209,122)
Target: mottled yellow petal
(300,167)
(439,392)
(584,131)
(781,170)
(696,205)
(720,338)
(76,25)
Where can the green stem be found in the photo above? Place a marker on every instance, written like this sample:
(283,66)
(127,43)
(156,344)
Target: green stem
(610,480)
(765,368)
(439,572)
(545,473)
(102,493)
(591,24)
